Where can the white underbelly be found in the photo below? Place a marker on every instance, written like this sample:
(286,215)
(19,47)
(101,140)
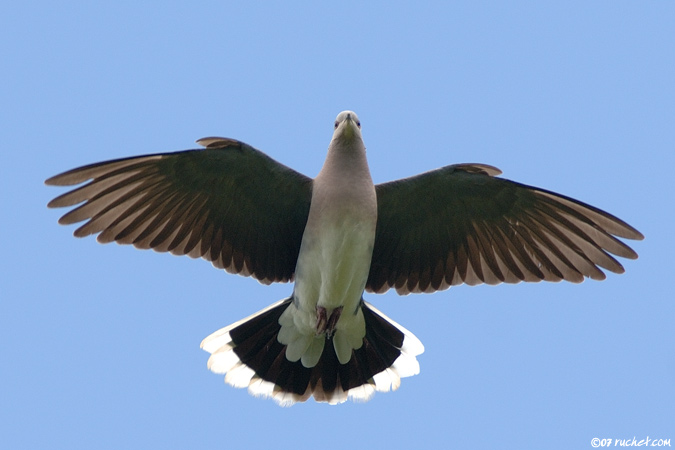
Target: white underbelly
(333,264)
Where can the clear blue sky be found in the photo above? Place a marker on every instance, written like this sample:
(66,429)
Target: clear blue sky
(100,344)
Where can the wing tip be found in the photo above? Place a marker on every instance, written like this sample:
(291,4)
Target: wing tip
(61,179)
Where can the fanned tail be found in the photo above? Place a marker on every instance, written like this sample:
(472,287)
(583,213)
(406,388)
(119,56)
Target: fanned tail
(249,355)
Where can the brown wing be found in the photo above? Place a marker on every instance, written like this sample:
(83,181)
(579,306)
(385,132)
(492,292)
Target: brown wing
(230,204)
(460,224)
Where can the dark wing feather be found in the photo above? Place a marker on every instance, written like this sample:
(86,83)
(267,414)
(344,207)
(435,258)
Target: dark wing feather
(229,203)
(460,224)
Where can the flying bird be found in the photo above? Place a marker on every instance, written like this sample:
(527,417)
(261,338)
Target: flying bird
(336,236)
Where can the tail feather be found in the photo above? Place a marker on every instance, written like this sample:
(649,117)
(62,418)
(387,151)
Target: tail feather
(250,355)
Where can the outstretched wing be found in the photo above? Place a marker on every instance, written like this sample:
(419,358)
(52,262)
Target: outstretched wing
(229,204)
(460,224)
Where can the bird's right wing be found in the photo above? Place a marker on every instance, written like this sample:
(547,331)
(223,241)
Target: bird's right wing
(229,203)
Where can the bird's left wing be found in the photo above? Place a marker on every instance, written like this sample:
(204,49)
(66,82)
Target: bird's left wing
(460,224)
(229,203)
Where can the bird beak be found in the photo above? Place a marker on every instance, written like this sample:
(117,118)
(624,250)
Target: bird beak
(349,127)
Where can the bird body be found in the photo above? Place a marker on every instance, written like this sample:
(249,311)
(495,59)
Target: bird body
(336,236)
(336,249)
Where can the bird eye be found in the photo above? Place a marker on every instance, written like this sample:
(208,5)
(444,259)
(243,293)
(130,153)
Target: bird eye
(336,124)
(358,124)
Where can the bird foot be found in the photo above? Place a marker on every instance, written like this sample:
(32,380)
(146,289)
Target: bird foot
(325,323)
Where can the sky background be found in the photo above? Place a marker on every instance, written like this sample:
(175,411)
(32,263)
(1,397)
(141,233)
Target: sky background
(100,344)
